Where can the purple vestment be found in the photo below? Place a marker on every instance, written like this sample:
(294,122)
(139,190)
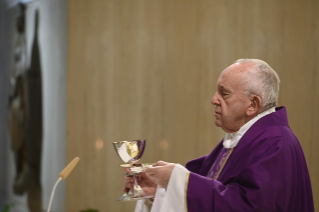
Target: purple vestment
(266,172)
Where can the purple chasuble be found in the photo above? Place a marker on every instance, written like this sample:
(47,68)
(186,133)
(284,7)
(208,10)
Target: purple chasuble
(266,171)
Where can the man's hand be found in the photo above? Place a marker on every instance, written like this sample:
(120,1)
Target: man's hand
(146,183)
(160,173)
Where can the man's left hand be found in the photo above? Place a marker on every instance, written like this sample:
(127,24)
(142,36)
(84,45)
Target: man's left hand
(160,173)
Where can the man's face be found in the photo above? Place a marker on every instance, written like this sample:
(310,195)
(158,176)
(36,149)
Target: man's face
(229,99)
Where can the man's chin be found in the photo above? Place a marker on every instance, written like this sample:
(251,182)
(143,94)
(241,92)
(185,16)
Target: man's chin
(217,123)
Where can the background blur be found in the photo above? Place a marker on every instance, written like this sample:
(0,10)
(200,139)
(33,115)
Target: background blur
(116,70)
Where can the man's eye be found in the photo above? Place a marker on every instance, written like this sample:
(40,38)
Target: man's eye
(224,94)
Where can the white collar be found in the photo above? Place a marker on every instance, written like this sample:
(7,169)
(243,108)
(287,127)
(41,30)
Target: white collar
(232,139)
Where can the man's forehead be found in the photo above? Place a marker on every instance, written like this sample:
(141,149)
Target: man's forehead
(232,75)
(238,68)
(235,70)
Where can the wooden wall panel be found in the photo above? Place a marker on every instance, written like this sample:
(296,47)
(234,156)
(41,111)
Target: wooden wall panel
(147,69)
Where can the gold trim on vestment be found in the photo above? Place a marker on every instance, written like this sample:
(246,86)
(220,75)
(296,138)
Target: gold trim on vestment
(221,164)
(185,195)
(211,168)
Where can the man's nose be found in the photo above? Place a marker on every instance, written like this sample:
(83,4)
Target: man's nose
(214,99)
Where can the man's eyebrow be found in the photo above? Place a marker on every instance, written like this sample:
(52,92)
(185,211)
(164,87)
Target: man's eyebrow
(225,89)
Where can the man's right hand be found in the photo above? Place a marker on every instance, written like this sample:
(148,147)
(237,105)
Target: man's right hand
(146,183)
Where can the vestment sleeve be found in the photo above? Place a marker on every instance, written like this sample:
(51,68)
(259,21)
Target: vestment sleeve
(195,165)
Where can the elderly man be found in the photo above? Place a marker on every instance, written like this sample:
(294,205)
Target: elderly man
(258,166)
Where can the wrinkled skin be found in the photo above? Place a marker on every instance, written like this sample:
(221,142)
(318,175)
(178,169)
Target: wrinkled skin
(160,173)
(232,107)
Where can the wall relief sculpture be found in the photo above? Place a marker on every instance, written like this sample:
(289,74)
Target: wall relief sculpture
(25,114)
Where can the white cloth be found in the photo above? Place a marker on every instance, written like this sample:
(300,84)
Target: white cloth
(232,139)
(174,199)
(160,194)
(140,206)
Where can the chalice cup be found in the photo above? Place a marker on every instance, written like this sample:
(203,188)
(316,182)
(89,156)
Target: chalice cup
(131,152)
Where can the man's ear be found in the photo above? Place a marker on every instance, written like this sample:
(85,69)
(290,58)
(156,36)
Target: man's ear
(255,106)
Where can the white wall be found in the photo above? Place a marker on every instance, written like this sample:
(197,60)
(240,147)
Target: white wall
(52,34)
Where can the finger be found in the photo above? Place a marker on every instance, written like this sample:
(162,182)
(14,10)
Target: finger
(154,169)
(126,190)
(128,179)
(142,175)
(148,192)
(149,173)
(138,177)
(152,177)
(128,185)
(141,178)
(145,176)
(160,163)
(150,170)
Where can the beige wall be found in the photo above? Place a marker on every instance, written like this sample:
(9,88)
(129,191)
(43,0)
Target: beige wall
(147,69)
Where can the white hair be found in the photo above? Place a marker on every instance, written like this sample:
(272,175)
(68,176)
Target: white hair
(261,80)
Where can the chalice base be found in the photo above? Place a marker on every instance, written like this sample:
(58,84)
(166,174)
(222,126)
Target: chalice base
(132,196)
(137,192)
